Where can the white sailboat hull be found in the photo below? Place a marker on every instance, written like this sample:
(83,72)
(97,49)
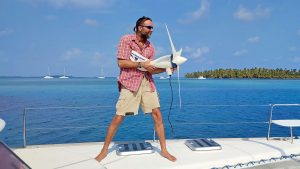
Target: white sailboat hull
(81,155)
(48,77)
(64,77)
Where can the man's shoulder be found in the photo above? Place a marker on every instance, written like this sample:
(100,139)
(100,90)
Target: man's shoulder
(128,37)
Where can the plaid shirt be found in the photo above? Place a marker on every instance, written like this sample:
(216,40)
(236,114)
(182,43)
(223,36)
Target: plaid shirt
(131,78)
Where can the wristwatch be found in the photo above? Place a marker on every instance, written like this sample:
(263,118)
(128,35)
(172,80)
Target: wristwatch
(139,65)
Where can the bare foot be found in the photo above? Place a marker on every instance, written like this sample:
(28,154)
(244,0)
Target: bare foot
(169,156)
(100,156)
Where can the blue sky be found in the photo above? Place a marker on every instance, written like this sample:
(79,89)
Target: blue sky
(82,35)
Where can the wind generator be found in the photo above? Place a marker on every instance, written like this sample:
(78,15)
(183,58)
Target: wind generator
(167,62)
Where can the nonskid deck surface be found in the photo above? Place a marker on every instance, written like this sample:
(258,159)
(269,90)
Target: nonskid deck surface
(81,155)
(289,164)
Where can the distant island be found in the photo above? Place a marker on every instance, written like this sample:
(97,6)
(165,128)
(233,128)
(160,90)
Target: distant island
(259,73)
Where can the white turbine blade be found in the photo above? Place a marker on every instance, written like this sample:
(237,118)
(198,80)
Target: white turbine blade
(172,45)
(179,52)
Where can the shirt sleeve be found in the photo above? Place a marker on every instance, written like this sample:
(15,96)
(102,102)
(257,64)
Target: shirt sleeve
(124,49)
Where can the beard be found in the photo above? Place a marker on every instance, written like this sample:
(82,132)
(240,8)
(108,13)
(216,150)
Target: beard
(145,35)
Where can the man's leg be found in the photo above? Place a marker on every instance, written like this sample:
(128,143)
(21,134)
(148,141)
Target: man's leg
(115,123)
(159,128)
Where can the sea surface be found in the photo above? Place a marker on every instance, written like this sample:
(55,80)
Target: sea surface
(80,109)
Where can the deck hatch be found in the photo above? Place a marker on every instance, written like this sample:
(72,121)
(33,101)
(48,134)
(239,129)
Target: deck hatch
(134,148)
(202,144)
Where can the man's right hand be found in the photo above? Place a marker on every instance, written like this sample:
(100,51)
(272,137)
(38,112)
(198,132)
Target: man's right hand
(148,66)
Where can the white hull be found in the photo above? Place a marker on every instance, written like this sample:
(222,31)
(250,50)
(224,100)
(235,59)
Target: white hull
(64,76)
(48,77)
(81,155)
(201,78)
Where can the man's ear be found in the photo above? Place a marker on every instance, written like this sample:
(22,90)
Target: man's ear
(140,28)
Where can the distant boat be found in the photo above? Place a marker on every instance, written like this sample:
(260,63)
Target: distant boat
(201,77)
(101,75)
(64,76)
(48,76)
(162,77)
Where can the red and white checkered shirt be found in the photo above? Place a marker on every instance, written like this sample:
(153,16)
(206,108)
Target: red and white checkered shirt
(131,78)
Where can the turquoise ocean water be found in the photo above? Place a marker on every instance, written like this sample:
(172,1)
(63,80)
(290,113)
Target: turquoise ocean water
(79,109)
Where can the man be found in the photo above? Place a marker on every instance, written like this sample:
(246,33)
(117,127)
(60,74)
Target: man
(137,87)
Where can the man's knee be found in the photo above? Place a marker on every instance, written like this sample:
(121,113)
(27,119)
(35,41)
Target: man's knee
(118,119)
(157,115)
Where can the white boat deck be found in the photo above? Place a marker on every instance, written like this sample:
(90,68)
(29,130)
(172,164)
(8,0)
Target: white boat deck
(81,155)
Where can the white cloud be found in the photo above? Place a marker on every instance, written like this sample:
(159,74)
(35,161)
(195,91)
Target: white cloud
(3,59)
(292,48)
(159,51)
(196,15)
(254,39)
(50,17)
(96,58)
(196,52)
(296,59)
(91,22)
(6,32)
(247,15)
(74,3)
(71,54)
(263,13)
(240,52)
(76,55)
(243,14)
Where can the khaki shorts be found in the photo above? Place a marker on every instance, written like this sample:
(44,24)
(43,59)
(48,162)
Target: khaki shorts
(129,102)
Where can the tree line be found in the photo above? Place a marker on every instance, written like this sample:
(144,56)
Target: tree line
(263,73)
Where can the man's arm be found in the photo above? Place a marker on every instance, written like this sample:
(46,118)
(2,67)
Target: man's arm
(150,68)
(127,64)
(130,64)
(158,70)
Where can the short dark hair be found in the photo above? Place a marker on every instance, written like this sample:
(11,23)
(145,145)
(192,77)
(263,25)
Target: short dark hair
(140,21)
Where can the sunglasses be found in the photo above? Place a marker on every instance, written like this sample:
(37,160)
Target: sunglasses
(148,27)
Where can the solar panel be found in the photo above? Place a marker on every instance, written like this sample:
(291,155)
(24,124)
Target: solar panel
(202,144)
(9,160)
(134,148)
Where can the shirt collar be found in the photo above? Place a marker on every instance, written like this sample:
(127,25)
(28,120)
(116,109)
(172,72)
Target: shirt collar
(133,38)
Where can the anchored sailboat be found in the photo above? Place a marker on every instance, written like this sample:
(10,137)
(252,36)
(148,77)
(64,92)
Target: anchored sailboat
(64,76)
(201,77)
(101,75)
(48,76)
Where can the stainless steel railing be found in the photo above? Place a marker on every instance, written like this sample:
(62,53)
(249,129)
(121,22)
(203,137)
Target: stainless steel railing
(271,116)
(47,108)
(25,111)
